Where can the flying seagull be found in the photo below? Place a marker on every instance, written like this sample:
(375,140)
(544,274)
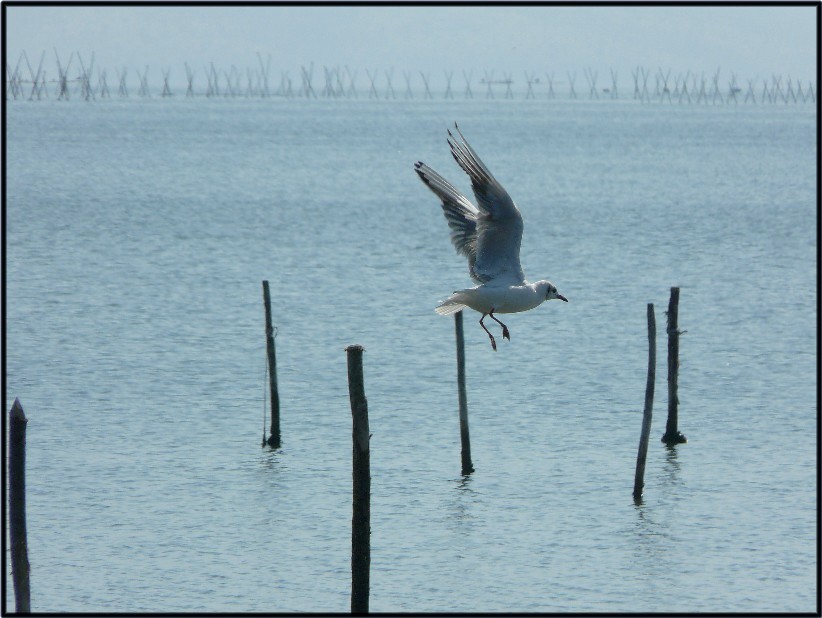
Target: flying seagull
(489,235)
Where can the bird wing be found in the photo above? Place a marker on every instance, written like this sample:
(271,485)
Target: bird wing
(498,222)
(459,212)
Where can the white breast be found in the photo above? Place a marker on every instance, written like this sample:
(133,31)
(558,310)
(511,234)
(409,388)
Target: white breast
(502,299)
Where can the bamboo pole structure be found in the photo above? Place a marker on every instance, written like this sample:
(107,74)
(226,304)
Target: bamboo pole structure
(550,78)
(274,438)
(672,435)
(372,78)
(465,439)
(166,90)
(693,87)
(352,88)
(122,90)
(63,93)
(428,94)
(571,79)
(17,508)
(389,89)
(647,414)
(468,92)
(448,76)
(361,517)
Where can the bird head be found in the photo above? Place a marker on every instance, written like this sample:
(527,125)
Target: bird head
(551,291)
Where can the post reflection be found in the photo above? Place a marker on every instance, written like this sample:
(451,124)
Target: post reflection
(461,505)
(672,466)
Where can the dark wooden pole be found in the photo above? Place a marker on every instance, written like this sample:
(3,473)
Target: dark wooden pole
(17,508)
(672,435)
(274,438)
(361,519)
(465,439)
(639,477)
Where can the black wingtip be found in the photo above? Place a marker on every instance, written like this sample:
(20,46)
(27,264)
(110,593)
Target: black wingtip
(453,140)
(418,168)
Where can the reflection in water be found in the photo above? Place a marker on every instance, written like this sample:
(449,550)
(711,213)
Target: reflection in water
(460,507)
(672,468)
(272,459)
(653,564)
(270,471)
(651,556)
(671,472)
(465,482)
(647,534)
(648,528)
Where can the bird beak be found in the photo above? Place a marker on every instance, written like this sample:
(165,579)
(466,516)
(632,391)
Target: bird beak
(561,297)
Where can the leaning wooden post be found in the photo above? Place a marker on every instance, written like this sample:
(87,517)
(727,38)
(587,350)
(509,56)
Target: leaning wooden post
(17,508)
(639,477)
(672,435)
(361,519)
(274,438)
(467,466)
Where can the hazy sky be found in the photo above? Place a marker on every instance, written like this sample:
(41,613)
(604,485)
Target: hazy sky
(750,41)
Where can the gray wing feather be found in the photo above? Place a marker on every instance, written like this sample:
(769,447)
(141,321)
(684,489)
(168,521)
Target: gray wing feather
(459,212)
(499,223)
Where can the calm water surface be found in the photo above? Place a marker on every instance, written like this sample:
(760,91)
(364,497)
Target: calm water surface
(138,233)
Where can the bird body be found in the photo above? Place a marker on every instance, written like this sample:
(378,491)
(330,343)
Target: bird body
(489,298)
(489,235)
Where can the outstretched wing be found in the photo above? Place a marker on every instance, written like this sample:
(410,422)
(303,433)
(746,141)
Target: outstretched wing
(460,213)
(498,223)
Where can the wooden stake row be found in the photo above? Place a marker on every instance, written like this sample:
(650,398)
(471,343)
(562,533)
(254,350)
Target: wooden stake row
(271,355)
(639,477)
(672,436)
(361,508)
(17,508)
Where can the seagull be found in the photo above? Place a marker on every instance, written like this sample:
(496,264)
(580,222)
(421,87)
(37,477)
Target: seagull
(489,235)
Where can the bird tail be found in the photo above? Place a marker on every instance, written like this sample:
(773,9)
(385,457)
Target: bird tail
(453,304)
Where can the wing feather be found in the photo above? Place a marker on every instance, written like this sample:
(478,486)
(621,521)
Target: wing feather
(499,224)
(490,235)
(459,212)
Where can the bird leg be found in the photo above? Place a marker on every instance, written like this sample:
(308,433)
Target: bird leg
(505,333)
(493,343)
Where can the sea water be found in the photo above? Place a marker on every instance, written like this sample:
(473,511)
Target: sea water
(138,232)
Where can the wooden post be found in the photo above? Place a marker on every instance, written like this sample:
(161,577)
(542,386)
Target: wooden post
(672,435)
(639,477)
(274,438)
(467,465)
(361,519)
(17,508)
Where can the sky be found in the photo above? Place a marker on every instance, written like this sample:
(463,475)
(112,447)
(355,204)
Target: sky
(750,41)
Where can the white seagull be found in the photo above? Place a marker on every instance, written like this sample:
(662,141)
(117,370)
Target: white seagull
(489,236)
